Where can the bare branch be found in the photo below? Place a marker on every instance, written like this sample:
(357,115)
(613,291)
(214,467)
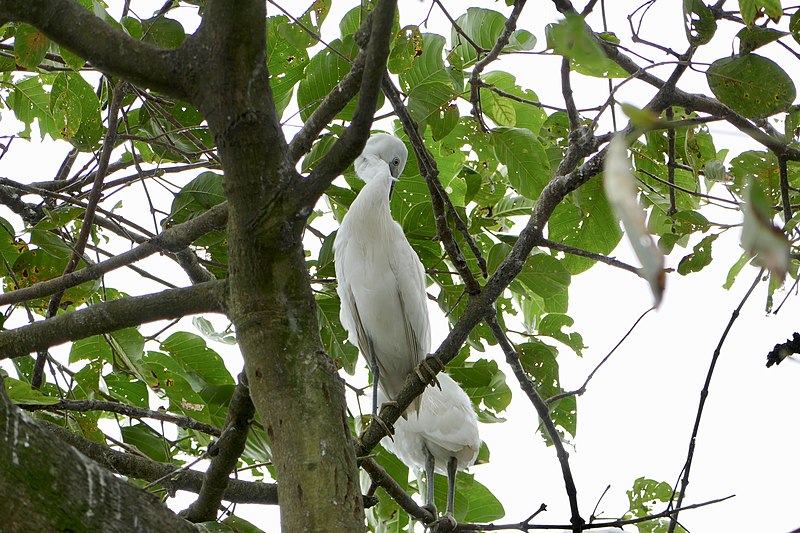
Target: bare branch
(225,455)
(171,240)
(82,406)
(355,136)
(113,315)
(125,464)
(512,358)
(687,467)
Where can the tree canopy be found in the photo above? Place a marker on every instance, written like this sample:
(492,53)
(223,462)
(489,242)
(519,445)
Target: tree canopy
(187,229)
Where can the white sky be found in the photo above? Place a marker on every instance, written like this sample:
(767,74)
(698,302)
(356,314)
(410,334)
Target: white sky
(636,418)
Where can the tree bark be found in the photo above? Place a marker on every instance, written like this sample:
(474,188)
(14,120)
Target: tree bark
(47,486)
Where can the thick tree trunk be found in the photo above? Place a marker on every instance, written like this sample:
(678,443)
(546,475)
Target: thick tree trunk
(46,485)
(293,382)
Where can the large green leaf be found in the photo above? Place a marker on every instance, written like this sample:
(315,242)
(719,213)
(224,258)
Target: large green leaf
(286,63)
(484,28)
(473,501)
(76,109)
(196,197)
(202,365)
(586,222)
(30,46)
(699,22)
(334,336)
(429,67)
(30,102)
(752,85)
(322,74)
(573,39)
(523,154)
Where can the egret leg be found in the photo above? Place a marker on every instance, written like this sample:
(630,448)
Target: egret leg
(376,372)
(452,471)
(430,462)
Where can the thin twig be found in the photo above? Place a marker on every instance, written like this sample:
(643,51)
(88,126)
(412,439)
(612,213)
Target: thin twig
(580,390)
(703,395)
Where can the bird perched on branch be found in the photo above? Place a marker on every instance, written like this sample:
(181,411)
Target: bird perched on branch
(381,281)
(443,438)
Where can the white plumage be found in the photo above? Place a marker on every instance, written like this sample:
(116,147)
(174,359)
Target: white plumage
(445,430)
(381,281)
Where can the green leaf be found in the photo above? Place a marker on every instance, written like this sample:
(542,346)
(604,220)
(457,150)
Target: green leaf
(197,197)
(573,39)
(429,67)
(322,74)
(523,154)
(751,85)
(443,121)
(526,115)
(334,335)
(699,258)
(756,37)
(202,364)
(544,275)
(162,31)
(127,390)
(587,223)
(751,9)
(286,64)
(76,110)
(207,329)
(483,26)
(71,60)
(473,501)
(22,392)
(760,237)
(735,269)
(485,384)
(144,439)
(30,46)
(643,499)
(407,46)
(169,377)
(551,325)
(428,99)
(794,25)
(699,22)
(30,102)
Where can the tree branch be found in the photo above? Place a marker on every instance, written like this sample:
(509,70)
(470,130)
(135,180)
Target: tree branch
(225,456)
(134,466)
(381,477)
(173,240)
(512,358)
(104,46)
(440,200)
(113,315)
(51,487)
(81,406)
(352,140)
(474,81)
(334,102)
(703,395)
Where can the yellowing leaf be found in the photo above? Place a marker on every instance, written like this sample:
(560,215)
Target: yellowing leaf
(760,237)
(621,191)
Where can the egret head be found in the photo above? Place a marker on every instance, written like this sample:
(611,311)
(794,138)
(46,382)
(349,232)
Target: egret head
(388,148)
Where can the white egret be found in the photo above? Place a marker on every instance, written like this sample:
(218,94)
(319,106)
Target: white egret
(381,282)
(442,438)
